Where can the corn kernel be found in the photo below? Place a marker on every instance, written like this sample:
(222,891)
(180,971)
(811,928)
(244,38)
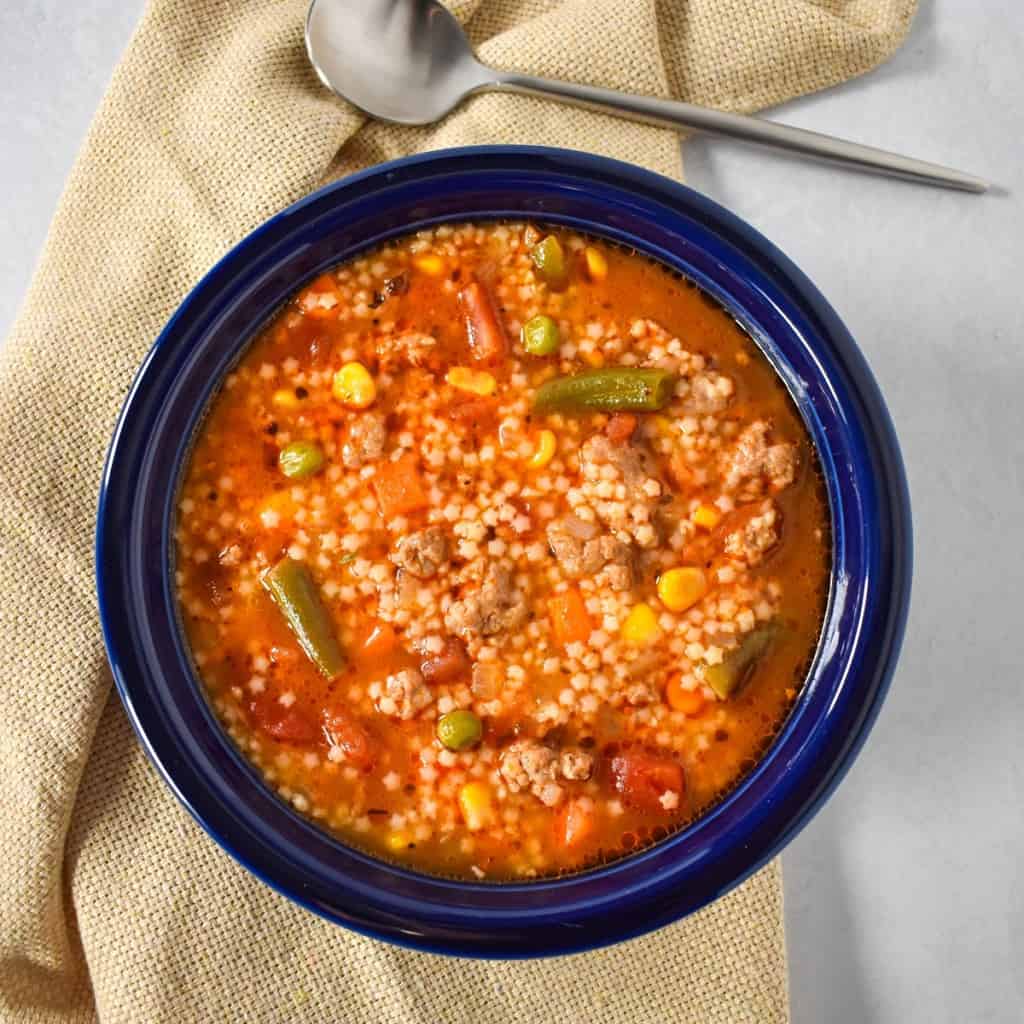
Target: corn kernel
(354,386)
(285,399)
(664,426)
(595,359)
(430,264)
(597,265)
(545,450)
(641,626)
(477,382)
(707,516)
(682,588)
(398,841)
(475,804)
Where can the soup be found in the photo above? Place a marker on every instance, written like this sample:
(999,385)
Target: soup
(502,552)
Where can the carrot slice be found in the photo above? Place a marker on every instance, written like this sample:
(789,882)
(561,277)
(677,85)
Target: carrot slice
(399,488)
(690,702)
(486,335)
(570,622)
(381,640)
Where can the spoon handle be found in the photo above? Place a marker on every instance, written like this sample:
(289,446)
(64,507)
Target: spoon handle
(673,114)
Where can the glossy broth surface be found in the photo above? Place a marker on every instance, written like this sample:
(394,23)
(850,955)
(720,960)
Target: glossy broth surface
(483,639)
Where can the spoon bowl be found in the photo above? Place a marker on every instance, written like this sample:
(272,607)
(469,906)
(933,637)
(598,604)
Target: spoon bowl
(405,61)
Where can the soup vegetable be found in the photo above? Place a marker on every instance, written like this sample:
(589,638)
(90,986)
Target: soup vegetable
(502,552)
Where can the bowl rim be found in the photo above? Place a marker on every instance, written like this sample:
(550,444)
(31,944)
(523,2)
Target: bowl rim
(644,891)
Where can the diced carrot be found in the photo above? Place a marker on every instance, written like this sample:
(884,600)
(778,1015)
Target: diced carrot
(679,471)
(575,822)
(570,622)
(380,641)
(620,427)
(690,702)
(399,488)
(487,338)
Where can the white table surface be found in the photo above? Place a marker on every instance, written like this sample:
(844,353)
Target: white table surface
(905,896)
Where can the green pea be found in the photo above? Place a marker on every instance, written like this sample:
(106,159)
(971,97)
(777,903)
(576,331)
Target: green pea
(540,336)
(300,459)
(459,730)
(549,259)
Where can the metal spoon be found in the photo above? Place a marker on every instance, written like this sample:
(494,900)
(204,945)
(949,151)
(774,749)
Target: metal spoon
(409,61)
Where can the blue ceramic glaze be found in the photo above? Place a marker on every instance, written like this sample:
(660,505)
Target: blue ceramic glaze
(830,383)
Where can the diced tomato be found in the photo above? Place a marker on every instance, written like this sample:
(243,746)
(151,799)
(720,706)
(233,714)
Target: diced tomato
(643,779)
(575,822)
(287,725)
(380,641)
(399,488)
(486,334)
(619,429)
(344,730)
(570,622)
(451,664)
(480,412)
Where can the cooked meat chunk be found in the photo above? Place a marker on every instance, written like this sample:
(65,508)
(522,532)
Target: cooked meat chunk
(409,349)
(528,764)
(582,550)
(423,554)
(496,606)
(710,392)
(367,435)
(405,695)
(575,765)
(621,485)
(756,537)
(753,463)
(630,462)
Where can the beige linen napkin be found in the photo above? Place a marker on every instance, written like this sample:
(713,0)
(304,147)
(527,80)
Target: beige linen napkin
(113,904)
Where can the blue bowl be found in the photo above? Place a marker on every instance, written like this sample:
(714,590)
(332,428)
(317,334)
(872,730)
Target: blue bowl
(867,607)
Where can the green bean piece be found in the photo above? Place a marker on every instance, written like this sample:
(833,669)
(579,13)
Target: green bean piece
(540,336)
(459,730)
(612,389)
(549,259)
(300,459)
(291,587)
(734,669)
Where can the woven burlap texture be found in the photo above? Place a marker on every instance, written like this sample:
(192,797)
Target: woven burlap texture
(113,904)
